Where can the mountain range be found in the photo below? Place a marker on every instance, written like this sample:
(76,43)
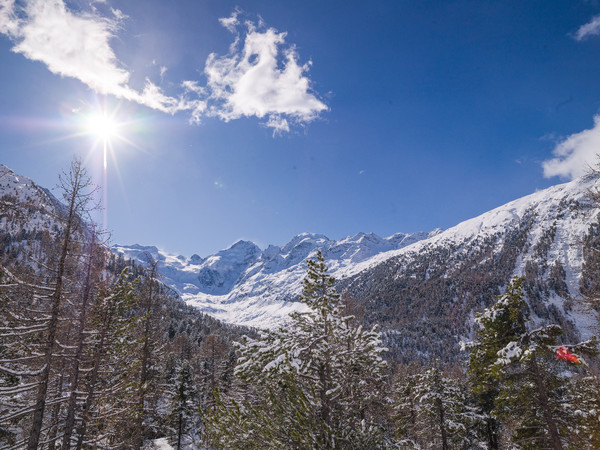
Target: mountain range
(424,288)
(249,286)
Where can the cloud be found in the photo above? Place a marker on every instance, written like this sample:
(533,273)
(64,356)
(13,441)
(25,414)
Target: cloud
(71,45)
(592,28)
(575,154)
(77,46)
(9,23)
(230,22)
(262,78)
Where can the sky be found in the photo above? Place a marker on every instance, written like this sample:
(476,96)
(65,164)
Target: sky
(260,120)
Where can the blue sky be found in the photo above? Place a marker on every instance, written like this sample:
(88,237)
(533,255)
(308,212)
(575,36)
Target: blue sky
(260,120)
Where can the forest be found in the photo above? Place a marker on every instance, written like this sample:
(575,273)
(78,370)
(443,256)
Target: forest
(96,352)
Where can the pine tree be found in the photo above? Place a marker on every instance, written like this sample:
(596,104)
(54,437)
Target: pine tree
(328,372)
(496,331)
(434,411)
(182,406)
(583,404)
(516,368)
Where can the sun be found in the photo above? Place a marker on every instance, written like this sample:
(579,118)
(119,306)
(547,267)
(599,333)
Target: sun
(102,126)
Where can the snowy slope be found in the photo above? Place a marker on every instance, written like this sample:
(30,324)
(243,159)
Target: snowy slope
(439,278)
(42,206)
(246,285)
(564,206)
(425,295)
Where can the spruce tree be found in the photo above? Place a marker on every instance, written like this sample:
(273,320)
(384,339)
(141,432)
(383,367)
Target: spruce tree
(516,368)
(182,404)
(495,331)
(434,411)
(328,372)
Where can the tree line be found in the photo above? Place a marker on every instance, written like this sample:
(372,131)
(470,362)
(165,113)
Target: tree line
(95,352)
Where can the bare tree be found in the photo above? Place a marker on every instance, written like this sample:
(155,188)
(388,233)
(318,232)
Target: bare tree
(78,193)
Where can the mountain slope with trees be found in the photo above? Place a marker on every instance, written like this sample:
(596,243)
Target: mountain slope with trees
(88,340)
(97,352)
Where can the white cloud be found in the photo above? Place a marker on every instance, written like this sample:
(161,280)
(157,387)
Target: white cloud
(77,46)
(118,14)
(9,24)
(230,22)
(198,107)
(279,124)
(261,79)
(71,45)
(576,154)
(592,28)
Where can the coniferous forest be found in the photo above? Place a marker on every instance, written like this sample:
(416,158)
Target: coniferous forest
(97,353)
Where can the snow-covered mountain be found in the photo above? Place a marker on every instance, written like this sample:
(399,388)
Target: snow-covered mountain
(423,288)
(42,208)
(425,295)
(246,285)
(416,284)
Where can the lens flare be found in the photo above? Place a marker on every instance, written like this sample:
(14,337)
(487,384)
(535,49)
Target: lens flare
(102,126)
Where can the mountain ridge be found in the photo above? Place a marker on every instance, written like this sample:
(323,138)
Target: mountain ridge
(266,286)
(219,280)
(422,288)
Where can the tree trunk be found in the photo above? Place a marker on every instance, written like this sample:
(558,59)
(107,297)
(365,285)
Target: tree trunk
(107,318)
(179,430)
(70,421)
(442,427)
(543,397)
(145,361)
(54,417)
(491,429)
(40,404)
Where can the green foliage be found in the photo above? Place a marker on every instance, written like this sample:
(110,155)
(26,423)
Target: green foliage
(182,404)
(434,411)
(516,376)
(328,371)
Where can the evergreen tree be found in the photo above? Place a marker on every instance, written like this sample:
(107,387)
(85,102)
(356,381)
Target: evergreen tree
(434,411)
(496,331)
(182,404)
(328,372)
(583,403)
(517,368)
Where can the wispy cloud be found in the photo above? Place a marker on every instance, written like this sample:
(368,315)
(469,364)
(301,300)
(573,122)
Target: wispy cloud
(259,77)
(77,46)
(592,28)
(576,154)
(9,24)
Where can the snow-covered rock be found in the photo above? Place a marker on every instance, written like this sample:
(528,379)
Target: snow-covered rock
(245,285)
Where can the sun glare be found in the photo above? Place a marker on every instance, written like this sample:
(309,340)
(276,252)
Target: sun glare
(102,126)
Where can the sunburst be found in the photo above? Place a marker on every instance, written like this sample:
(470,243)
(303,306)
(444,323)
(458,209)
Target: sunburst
(105,128)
